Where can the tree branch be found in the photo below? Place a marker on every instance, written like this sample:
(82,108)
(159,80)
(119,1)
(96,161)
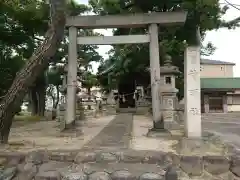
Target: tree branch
(234,21)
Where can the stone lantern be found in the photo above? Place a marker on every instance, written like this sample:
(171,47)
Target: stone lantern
(168,92)
(63,91)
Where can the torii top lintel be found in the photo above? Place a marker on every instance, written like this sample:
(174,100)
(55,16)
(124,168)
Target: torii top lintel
(126,20)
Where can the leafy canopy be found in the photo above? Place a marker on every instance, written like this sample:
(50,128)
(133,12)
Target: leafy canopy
(133,60)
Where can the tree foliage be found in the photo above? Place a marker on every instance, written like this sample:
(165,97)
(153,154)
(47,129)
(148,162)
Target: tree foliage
(86,55)
(89,80)
(134,59)
(21,25)
(34,67)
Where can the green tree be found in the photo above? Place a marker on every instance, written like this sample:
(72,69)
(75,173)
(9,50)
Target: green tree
(22,25)
(22,31)
(86,55)
(38,90)
(88,81)
(36,64)
(56,71)
(133,60)
(9,65)
(23,40)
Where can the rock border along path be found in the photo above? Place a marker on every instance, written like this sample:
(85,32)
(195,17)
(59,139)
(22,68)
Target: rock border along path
(129,165)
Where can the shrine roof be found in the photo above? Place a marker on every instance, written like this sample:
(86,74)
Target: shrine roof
(220,83)
(109,67)
(215,62)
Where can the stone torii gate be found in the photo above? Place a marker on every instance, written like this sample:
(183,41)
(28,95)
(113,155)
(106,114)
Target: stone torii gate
(120,21)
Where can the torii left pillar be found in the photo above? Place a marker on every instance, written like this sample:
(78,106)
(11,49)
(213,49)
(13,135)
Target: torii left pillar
(155,76)
(70,113)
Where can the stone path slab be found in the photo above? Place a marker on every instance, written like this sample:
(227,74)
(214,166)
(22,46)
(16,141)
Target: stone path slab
(116,135)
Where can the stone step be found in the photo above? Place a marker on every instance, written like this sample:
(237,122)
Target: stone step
(41,165)
(54,170)
(128,157)
(127,165)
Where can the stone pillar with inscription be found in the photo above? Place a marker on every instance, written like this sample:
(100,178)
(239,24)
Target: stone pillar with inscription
(168,93)
(192,94)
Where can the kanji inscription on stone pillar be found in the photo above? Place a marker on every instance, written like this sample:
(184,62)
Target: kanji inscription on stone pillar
(192,94)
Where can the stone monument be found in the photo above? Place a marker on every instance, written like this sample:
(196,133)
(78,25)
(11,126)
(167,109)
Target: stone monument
(168,98)
(62,105)
(168,93)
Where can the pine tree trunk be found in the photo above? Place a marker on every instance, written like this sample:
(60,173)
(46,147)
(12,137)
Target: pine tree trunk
(34,103)
(38,93)
(41,100)
(33,68)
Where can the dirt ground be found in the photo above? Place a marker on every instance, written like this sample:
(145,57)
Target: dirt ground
(28,136)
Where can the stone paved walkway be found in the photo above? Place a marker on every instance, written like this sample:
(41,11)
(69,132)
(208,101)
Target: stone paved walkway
(116,135)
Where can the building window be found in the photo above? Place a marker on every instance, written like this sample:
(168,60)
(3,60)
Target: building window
(201,68)
(168,80)
(221,68)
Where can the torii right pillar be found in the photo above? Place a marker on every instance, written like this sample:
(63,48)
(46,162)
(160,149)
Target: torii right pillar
(192,92)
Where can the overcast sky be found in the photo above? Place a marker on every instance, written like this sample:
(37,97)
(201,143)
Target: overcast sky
(226,41)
